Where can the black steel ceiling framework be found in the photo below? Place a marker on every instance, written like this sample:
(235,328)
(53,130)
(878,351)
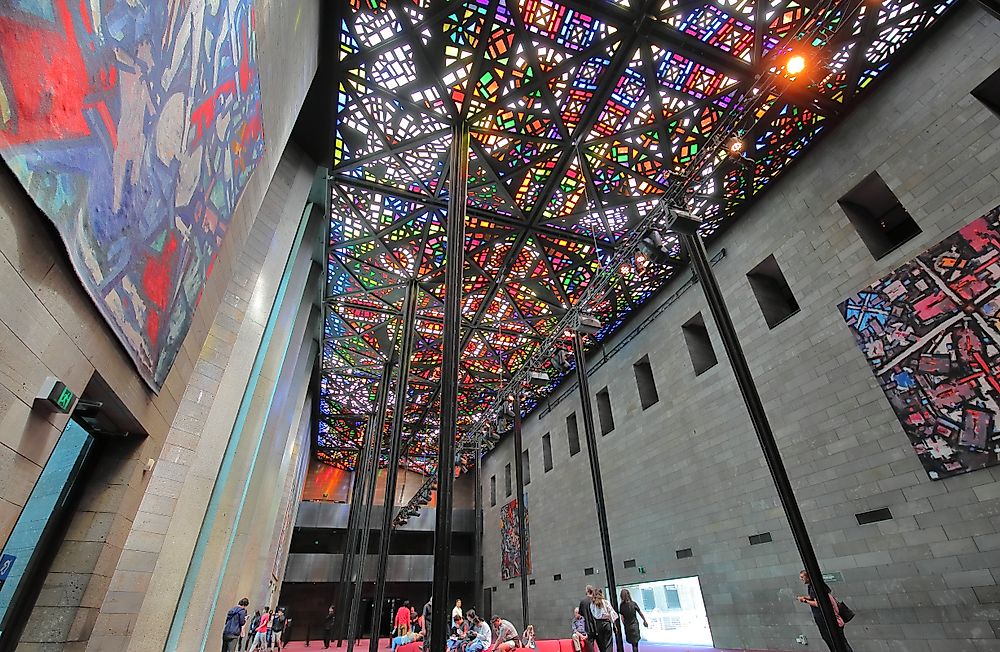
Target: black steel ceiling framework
(388,230)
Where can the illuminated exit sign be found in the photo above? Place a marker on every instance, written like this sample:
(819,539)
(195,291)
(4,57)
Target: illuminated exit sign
(54,395)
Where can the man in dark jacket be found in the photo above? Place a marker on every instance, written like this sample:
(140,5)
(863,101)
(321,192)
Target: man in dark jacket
(235,620)
(328,628)
(427,615)
(588,618)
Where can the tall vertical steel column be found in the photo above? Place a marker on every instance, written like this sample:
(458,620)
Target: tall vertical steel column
(687,225)
(522,549)
(358,568)
(595,473)
(395,449)
(455,262)
(477,545)
(361,470)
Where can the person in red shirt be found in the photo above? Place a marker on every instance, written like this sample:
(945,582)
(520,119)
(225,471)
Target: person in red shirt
(402,621)
(260,632)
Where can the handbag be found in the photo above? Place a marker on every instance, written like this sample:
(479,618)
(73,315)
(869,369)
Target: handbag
(846,614)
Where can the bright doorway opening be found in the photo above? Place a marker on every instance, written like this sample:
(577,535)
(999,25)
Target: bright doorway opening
(675,610)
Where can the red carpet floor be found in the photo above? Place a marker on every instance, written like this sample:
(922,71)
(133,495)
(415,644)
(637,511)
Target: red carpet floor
(362,646)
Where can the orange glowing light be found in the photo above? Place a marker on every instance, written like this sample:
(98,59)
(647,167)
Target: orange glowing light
(796,64)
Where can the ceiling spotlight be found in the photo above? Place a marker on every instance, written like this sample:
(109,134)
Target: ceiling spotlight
(560,360)
(589,324)
(735,146)
(796,64)
(654,248)
(625,269)
(538,378)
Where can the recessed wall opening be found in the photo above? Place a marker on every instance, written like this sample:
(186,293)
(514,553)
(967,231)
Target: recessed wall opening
(675,610)
(878,216)
(604,411)
(547,452)
(644,380)
(526,467)
(506,479)
(493,491)
(699,345)
(573,435)
(989,93)
(774,297)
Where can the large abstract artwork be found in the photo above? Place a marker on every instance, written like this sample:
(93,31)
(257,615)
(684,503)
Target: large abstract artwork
(135,127)
(930,332)
(510,543)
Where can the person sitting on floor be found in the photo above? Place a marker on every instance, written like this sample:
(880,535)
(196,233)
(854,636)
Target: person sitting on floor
(480,634)
(456,641)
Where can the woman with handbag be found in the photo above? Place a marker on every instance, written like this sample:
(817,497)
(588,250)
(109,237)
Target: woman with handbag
(604,617)
(824,631)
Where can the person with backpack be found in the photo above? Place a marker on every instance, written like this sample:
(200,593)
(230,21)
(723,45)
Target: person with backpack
(840,611)
(235,620)
(278,624)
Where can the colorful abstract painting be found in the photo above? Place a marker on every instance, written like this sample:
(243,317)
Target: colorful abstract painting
(134,126)
(510,543)
(931,333)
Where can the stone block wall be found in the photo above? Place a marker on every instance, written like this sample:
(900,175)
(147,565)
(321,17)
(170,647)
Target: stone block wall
(687,471)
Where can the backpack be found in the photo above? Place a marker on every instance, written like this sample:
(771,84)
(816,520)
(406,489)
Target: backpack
(233,625)
(846,614)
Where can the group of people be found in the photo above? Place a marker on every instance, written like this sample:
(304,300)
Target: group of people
(265,631)
(594,619)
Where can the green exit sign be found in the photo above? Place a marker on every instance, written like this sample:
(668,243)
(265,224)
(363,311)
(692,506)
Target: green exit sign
(55,396)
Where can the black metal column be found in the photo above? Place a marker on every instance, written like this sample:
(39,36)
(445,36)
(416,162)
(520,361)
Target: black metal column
(522,549)
(395,449)
(477,552)
(358,567)
(454,264)
(361,470)
(595,473)
(687,226)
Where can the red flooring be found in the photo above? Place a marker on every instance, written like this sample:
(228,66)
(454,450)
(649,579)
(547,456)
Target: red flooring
(362,646)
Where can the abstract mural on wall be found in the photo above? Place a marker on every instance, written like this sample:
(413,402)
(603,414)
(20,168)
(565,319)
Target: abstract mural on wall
(930,330)
(510,546)
(134,126)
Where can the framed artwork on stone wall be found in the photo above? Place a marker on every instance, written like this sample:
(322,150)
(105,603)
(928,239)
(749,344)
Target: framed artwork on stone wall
(510,545)
(930,330)
(134,127)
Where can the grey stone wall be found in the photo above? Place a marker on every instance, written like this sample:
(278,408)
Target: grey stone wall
(687,472)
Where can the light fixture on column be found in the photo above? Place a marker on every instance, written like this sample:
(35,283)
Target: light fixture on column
(735,146)
(654,248)
(538,378)
(560,360)
(589,324)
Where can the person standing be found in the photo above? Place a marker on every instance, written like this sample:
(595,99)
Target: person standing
(427,616)
(260,632)
(456,612)
(328,628)
(588,618)
(401,624)
(604,617)
(278,624)
(235,620)
(579,629)
(811,600)
(506,636)
(630,619)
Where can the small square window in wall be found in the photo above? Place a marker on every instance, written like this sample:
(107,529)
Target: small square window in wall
(573,435)
(526,467)
(878,216)
(774,296)
(699,345)
(604,411)
(644,380)
(989,93)
(493,491)
(506,480)
(547,452)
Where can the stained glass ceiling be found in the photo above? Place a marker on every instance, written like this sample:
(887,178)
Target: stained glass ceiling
(582,115)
